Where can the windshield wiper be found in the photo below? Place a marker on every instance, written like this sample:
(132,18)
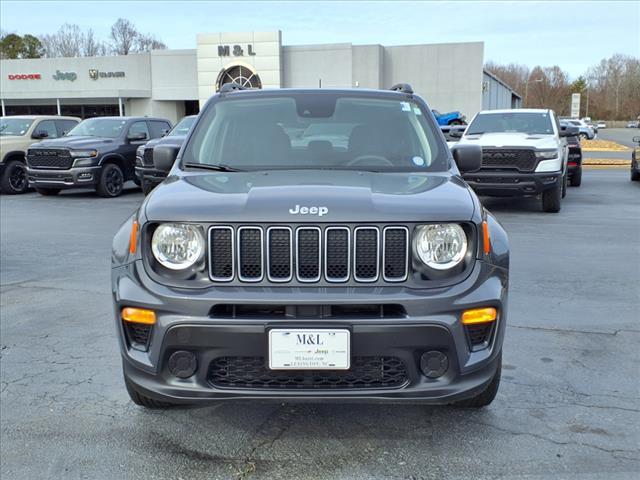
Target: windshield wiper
(218,168)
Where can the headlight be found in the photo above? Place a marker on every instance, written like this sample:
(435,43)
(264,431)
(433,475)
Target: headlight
(177,246)
(83,153)
(547,154)
(140,151)
(440,246)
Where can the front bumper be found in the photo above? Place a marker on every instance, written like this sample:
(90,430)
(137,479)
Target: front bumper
(80,177)
(150,175)
(509,183)
(185,321)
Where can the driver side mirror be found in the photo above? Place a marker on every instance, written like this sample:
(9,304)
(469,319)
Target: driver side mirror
(39,134)
(569,131)
(134,137)
(164,156)
(468,157)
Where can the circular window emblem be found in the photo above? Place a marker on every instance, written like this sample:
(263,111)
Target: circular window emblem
(243,76)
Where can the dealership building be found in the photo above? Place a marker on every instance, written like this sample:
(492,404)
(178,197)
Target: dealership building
(174,83)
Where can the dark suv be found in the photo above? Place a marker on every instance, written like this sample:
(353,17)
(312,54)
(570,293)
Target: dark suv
(98,153)
(348,263)
(146,173)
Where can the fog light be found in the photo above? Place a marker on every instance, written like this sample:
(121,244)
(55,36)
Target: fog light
(85,176)
(434,364)
(183,364)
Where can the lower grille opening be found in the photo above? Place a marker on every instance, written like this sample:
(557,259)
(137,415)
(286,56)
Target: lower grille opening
(138,335)
(252,373)
(308,311)
(479,335)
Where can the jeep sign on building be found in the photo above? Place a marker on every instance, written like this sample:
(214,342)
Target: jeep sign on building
(173,83)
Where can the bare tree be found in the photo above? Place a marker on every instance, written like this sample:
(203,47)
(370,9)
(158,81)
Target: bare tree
(148,42)
(123,36)
(91,47)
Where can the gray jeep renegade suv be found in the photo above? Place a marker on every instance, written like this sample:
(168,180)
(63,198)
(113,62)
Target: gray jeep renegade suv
(312,245)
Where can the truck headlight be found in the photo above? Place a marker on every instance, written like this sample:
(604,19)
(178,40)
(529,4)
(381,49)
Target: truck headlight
(177,246)
(440,246)
(546,154)
(83,153)
(140,151)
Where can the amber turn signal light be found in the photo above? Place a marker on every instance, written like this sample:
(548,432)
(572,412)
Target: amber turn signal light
(139,315)
(486,241)
(133,239)
(479,315)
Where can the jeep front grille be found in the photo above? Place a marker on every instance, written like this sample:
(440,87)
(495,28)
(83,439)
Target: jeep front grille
(522,159)
(49,158)
(308,254)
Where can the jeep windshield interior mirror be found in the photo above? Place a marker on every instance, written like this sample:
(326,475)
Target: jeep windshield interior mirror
(164,156)
(468,157)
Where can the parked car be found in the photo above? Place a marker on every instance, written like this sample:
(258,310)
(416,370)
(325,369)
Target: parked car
(524,153)
(635,161)
(633,124)
(146,173)
(574,159)
(601,124)
(450,118)
(270,272)
(98,153)
(17,133)
(585,131)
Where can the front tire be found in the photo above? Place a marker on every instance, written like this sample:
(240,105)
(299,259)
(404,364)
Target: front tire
(14,179)
(456,122)
(487,396)
(111,181)
(48,192)
(551,200)
(565,180)
(576,179)
(142,400)
(635,176)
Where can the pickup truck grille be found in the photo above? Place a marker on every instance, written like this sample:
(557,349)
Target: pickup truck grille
(308,253)
(522,159)
(49,158)
(147,158)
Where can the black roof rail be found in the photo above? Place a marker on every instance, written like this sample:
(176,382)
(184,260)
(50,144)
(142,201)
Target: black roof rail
(231,87)
(402,88)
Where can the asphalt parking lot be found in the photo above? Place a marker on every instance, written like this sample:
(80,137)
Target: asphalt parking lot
(568,406)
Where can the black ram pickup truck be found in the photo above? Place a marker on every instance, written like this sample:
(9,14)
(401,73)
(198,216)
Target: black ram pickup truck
(148,176)
(98,153)
(316,245)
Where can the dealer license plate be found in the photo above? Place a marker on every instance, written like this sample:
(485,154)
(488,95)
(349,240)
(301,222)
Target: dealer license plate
(304,349)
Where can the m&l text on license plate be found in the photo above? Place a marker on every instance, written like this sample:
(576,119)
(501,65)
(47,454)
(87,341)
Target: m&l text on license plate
(309,349)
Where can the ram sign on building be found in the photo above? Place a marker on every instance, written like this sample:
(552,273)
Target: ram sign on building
(174,83)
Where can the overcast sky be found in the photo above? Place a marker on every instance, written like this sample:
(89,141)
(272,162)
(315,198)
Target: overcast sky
(572,34)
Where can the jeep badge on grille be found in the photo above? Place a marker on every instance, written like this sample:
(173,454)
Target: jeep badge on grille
(298,210)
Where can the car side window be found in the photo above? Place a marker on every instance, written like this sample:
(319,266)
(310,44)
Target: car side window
(158,128)
(64,126)
(47,126)
(139,127)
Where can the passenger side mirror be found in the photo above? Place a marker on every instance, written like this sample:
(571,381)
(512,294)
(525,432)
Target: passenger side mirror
(134,137)
(39,134)
(468,157)
(164,156)
(569,131)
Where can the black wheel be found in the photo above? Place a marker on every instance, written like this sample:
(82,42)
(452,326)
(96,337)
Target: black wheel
(456,122)
(142,400)
(635,176)
(565,181)
(584,136)
(147,187)
(48,192)
(551,199)
(485,397)
(14,180)
(137,181)
(111,181)
(576,179)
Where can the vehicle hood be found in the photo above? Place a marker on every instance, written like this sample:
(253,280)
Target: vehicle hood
(76,142)
(348,196)
(511,139)
(173,140)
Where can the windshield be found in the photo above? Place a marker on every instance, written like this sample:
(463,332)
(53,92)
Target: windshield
(14,126)
(98,127)
(183,126)
(509,122)
(316,130)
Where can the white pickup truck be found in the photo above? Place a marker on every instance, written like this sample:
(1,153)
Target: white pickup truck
(524,153)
